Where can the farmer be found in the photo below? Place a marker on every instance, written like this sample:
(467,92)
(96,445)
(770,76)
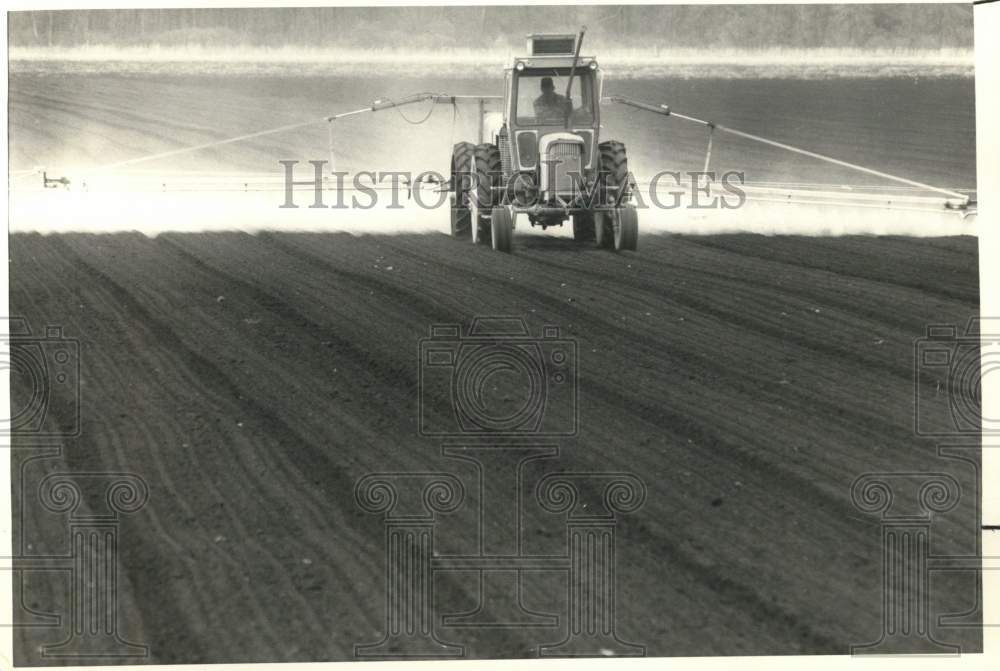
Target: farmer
(550,106)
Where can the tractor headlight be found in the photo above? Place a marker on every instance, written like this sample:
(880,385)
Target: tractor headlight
(519,66)
(593,65)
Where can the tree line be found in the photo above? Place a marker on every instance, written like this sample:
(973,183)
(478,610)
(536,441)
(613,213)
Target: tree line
(640,27)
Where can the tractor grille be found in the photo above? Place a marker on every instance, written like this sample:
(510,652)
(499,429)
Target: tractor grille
(505,159)
(564,161)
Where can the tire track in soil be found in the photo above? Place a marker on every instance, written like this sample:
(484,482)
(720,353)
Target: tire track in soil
(629,406)
(645,346)
(655,403)
(748,245)
(216,381)
(235,286)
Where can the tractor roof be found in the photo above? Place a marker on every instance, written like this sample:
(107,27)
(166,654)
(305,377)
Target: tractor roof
(554,62)
(551,44)
(552,50)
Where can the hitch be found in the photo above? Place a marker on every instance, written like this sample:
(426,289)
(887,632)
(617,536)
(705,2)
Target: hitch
(968,208)
(440,186)
(52,182)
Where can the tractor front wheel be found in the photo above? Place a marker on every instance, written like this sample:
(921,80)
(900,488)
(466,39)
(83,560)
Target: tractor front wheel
(583,226)
(502,229)
(604,232)
(625,222)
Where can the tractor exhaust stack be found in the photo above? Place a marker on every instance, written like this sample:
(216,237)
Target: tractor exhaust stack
(572,70)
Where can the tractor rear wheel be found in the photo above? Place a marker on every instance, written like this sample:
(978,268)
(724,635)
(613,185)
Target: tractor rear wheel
(614,171)
(626,229)
(583,226)
(462,158)
(483,198)
(502,229)
(617,225)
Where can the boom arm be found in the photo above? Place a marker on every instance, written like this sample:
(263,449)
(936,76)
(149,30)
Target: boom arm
(377,105)
(437,98)
(441,98)
(666,111)
(638,104)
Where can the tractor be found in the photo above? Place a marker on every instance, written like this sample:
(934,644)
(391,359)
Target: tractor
(546,159)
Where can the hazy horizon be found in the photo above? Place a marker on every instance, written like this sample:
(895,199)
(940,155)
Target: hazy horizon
(650,28)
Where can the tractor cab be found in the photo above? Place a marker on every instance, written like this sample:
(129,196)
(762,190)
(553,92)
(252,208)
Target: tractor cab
(550,119)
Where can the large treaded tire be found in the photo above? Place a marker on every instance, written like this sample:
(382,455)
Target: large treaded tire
(462,157)
(583,226)
(603,230)
(614,173)
(614,164)
(489,176)
(626,229)
(501,229)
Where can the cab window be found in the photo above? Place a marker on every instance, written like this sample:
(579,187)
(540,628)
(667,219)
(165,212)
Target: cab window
(541,98)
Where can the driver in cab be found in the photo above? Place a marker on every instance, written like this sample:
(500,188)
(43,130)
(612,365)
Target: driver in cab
(551,106)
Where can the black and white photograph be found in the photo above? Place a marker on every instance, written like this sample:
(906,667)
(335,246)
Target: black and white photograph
(497,332)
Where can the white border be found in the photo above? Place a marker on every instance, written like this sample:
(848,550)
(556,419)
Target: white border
(987,30)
